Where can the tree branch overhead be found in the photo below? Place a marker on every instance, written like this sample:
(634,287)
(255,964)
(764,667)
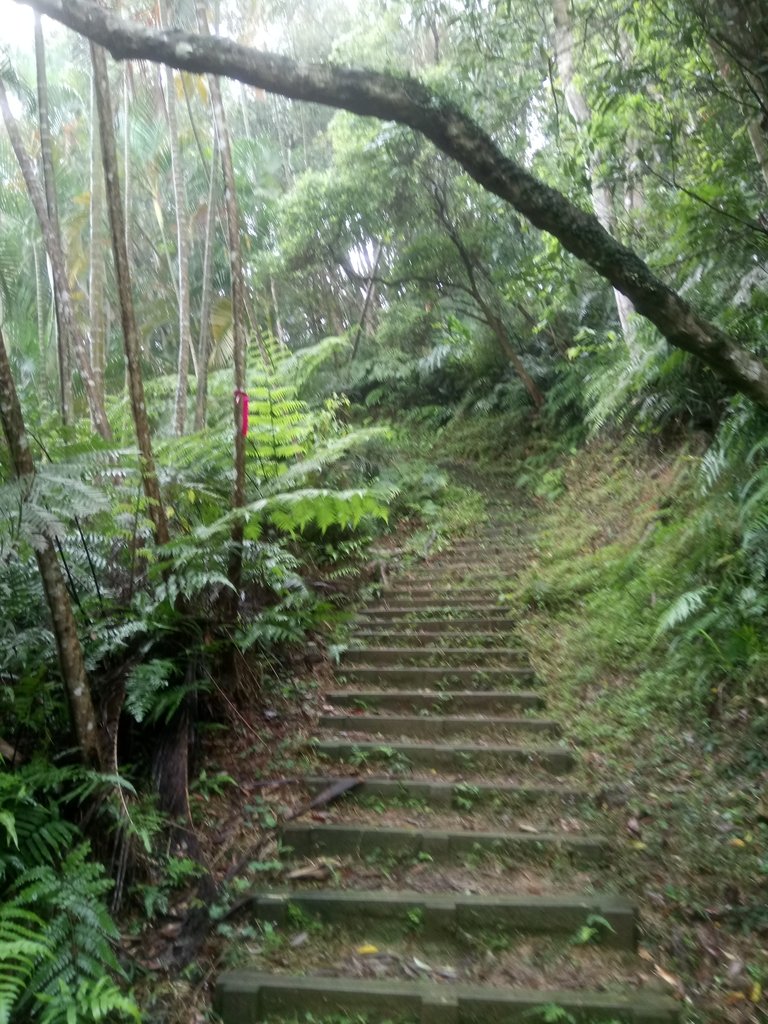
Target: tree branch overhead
(409,102)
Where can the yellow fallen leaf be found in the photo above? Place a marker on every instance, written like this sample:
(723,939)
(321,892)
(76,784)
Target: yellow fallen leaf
(757,992)
(367,949)
(736,842)
(637,844)
(669,978)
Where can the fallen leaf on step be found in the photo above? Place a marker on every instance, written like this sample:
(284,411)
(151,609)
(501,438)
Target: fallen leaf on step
(367,950)
(670,979)
(310,873)
(299,940)
(645,954)
(525,827)
(735,968)
(633,827)
(734,997)
(420,965)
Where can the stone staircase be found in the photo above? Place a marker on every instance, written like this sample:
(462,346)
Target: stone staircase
(460,882)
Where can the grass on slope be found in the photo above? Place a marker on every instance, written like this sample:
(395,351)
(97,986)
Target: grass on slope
(671,721)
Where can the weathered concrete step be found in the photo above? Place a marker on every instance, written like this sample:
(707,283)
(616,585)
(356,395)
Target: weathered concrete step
(443,592)
(442,916)
(439,600)
(490,702)
(452,583)
(449,568)
(441,623)
(474,610)
(441,845)
(464,757)
(425,675)
(455,656)
(442,795)
(437,641)
(436,726)
(247,996)
(457,571)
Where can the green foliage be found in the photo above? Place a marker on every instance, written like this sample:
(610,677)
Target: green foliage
(57,963)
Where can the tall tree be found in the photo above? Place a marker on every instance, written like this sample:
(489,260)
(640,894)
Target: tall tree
(64,342)
(237,286)
(97,242)
(68,646)
(409,102)
(62,294)
(603,202)
(204,343)
(182,249)
(125,294)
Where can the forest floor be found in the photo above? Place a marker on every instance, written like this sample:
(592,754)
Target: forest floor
(683,799)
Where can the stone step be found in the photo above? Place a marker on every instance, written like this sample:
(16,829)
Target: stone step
(447,795)
(483,639)
(441,845)
(438,600)
(246,996)
(452,581)
(449,595)
(438,726)
(424,675)
(490,702)
(443,916)
(471,610)
(455,656)
(440,622)
(453,757)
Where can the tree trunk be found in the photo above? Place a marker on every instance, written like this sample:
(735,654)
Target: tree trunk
(409,102)
(49,182)
(754,122)
(64,626)
(492,318)
(182,252)
(237,285)
(127,314)
(97,298)
(204,345)
(602,197)
(63,299)
(369,289)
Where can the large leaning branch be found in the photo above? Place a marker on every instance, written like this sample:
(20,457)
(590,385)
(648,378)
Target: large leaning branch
(409,102)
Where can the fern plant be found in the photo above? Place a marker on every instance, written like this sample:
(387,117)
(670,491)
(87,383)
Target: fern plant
(57,962)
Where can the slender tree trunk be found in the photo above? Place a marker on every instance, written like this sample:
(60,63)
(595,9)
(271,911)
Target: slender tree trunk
(369,289)
(204,345)
(602,197)
(63,298)
(279,331)
(64,626)
(182,251)
(754,123)
(40,317)
(492,318)
(49,181)
(237,285)
(409,102)
(127,313)
(97,298)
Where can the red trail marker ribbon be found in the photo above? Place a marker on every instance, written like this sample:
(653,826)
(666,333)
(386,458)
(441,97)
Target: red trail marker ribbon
(241,399)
